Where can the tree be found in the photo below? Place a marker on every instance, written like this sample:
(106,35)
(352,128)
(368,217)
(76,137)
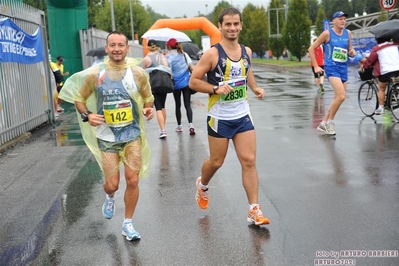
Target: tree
(246,19)
(296,32)
(39,4)
(368,6)
(383,15)
(276,20)
(332,6)
(93,7)
(141,19)
(218,8)
(313,9)
(257,34)
(321,15)
(154,15)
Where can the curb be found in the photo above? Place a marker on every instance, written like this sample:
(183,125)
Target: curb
(15,141)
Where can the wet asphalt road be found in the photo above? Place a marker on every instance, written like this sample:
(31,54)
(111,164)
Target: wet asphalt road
(321,193)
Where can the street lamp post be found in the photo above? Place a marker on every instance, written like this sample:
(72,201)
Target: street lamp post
(206,9)
(112,15)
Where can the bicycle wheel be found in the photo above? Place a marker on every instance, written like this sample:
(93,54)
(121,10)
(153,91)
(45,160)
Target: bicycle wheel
(368,98)
(394,101)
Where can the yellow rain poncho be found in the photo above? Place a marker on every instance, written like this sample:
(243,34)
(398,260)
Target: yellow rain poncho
(81,87)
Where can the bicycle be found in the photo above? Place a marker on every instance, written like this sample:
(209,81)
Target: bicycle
(368,94)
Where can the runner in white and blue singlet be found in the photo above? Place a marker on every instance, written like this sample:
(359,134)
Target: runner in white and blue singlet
(228,68)
(229,114)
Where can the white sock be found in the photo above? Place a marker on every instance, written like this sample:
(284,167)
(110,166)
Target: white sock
(109,198)
(202,186)
(252,206)
(381,106)
(127,221)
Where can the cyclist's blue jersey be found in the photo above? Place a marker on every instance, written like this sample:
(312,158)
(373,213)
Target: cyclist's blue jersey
(336,49)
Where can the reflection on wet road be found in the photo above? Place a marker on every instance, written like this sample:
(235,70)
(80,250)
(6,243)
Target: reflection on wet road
(320,193)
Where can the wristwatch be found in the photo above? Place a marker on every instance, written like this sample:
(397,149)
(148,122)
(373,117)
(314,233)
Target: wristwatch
(215,88)
(85,116)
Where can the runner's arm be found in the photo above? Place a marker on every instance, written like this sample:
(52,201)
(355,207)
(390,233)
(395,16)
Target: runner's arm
(207,62)
(324,37)
(251,79)
(351,51)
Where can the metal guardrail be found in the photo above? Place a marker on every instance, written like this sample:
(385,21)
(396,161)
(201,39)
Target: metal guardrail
(26,98)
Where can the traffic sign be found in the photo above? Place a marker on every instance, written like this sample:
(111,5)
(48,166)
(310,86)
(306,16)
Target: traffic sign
(388,4)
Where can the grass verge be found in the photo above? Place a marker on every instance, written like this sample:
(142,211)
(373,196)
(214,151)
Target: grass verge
(281,62)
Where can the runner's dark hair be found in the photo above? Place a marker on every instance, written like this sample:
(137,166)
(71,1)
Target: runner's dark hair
(231,11)
(119,33)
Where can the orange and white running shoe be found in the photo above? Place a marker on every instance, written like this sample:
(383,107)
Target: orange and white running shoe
(256,216)
(201,196)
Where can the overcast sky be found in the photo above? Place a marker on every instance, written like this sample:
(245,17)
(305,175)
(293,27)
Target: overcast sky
(190,8)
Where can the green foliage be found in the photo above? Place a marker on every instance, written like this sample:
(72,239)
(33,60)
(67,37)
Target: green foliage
(321,15)
(296,32)
(383,15)
(368,6)
(195,36)
(215,13)
(39,4)
(313,10)
(276,17)
(277,46)
(141,19)
(276,20)
(258,33)
(93,8)
(246,19)
(332,6)
(153,15)
(283,63)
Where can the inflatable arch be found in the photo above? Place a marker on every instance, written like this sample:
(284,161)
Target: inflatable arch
(188,24)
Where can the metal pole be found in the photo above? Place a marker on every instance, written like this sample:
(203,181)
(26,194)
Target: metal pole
(131,19)
(286,9)
(112,15)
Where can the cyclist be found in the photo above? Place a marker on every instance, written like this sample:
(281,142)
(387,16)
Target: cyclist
(386,54)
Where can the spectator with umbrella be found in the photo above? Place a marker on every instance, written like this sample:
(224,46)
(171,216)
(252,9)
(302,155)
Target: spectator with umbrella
(191,49)
(99,52)
(385,53)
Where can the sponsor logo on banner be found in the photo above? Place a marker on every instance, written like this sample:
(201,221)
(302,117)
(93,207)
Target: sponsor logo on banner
(19,47)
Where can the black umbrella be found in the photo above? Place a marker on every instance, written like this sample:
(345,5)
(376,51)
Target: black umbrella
(191,49)
(100,51)
(386,30)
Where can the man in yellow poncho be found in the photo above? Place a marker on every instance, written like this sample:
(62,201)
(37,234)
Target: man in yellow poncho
(111,99)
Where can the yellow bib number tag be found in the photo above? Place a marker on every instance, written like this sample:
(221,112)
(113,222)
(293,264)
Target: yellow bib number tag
(239,93)
(118,114)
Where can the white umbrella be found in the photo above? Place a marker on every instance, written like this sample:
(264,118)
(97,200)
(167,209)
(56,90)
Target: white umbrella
(164,34)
